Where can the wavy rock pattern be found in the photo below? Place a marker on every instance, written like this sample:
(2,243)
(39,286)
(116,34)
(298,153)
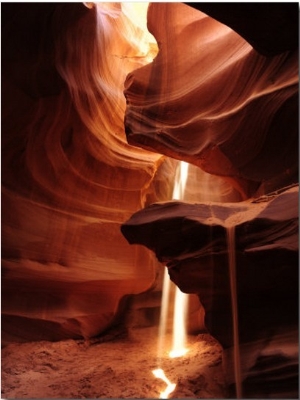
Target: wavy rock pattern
(215,102)
(219,93)
(69,177)
(192,240)
(222,94)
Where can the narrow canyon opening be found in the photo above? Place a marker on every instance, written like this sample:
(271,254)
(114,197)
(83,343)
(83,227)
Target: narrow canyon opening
(149,200)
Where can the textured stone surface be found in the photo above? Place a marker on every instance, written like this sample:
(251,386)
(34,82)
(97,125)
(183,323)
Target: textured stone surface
(69,178)
(215,102)
(192,239)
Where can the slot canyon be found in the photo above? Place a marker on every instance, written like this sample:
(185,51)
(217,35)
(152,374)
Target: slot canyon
(101,105)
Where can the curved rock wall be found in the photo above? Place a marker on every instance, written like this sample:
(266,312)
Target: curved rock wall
(222,96)
(193,241)
(214,101)
(69,178)
(226,100)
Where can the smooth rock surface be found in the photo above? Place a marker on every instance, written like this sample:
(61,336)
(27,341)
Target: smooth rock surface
(193,241)
(212,100)
(69,178)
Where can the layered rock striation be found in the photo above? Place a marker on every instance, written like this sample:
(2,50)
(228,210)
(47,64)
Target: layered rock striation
(222,94)
(195,241)
(211,99)
(69,177)
(216,88)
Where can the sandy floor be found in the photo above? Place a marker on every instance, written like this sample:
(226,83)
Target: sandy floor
(119,367)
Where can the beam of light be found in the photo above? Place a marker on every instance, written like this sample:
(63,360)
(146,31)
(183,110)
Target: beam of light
(180,180)
(159,373)
(179,324)
(163,313)
(181,299)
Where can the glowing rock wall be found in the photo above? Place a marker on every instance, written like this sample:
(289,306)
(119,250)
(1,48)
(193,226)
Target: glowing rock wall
(227,101)
(210,99)
(69,178)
